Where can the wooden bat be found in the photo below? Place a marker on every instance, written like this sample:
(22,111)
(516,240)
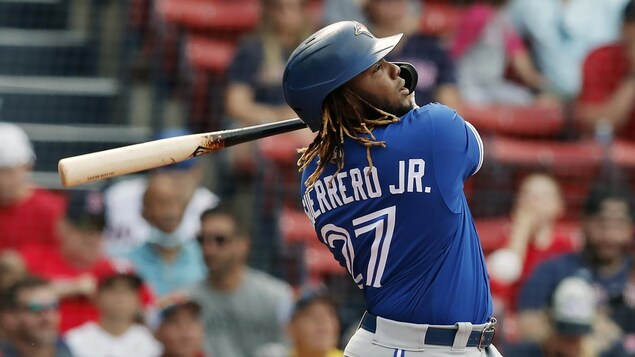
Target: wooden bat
(106,164)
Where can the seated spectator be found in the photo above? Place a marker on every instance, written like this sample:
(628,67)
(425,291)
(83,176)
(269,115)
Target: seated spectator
(116,333)
(127,229)
(21,202)
(242,308)
(178,326)
(607,225)
(532,238)
(254,90)
(607,98)
(76,265)
(313,331)
(485,44)
(571,317)
(167,261)
(34,305)
(561,33)
(437,72)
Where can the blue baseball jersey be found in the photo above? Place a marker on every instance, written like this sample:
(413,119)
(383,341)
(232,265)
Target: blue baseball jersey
(403,229)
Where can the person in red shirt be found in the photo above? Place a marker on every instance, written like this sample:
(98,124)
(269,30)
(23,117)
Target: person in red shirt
(533,237)
(28,214)
(607,98)
(75,266)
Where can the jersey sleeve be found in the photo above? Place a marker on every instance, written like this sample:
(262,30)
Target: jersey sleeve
(457,153)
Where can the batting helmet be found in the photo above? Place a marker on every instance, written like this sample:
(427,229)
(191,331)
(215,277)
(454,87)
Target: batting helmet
(326,60)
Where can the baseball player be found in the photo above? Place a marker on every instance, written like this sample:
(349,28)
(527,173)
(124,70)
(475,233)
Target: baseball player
(383,187)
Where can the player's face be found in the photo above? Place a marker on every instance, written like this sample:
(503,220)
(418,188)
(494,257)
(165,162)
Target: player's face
(381,86)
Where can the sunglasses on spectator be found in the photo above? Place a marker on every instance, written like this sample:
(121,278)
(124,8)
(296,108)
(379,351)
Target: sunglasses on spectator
(40,307)
(219,239)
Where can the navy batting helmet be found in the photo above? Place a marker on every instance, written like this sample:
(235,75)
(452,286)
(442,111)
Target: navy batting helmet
(326,60)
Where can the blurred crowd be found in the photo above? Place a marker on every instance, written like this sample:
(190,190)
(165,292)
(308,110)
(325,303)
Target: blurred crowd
(162,264)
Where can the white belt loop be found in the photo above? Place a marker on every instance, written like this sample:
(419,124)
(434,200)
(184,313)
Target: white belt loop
(462,336)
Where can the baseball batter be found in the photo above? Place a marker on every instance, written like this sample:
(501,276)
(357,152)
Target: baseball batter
(383,187)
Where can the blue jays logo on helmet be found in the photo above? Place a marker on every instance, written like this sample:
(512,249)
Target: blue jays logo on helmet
(326,60)
(361,29)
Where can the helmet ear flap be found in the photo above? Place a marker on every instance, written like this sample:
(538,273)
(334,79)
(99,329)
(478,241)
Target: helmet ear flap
(408,72)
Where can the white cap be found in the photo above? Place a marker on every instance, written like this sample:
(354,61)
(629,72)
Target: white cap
(15,147)
(574,306)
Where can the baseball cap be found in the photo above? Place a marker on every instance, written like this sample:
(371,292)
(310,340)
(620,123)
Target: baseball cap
(15,146)
(169,304)
(574,306)
(308,297)
(170,133)
(85,209)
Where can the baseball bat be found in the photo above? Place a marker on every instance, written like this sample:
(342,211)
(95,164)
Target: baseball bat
(106,164)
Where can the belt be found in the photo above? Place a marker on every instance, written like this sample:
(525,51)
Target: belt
(441,336)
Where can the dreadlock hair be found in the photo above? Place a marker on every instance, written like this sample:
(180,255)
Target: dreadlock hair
(344,114)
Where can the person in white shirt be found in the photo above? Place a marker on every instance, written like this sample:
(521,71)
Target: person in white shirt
(126,228)
(116,334)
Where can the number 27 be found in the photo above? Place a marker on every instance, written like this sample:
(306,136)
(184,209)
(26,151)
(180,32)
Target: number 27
(383,223)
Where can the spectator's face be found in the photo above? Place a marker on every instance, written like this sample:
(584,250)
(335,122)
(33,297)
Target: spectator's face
(181,333)
(13,181)
(381,86)
(286,16)
(164,203)
(37,317)
(84,246)
(566,346)
(315,328)
(609,232)
(541,195)
(120,301)
(386,12)
(222,249)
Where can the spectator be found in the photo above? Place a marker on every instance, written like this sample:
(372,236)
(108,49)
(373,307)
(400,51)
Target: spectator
(167,261)
(243,308)
(485,44)
(74,267)
(571,319)
(533,237)
(34,304)
(116,333)
(254,91)
(607,226)
(607,97)
(437,72)
(21,202)
(178,326)
(313,331)
(561,33)
(126,227)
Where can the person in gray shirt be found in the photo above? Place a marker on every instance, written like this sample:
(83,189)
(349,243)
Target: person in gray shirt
(242,308)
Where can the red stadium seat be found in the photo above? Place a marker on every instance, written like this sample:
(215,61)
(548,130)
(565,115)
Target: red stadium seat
(516,120)
(206,54)
(440,19)
(544,153)
(211,15)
